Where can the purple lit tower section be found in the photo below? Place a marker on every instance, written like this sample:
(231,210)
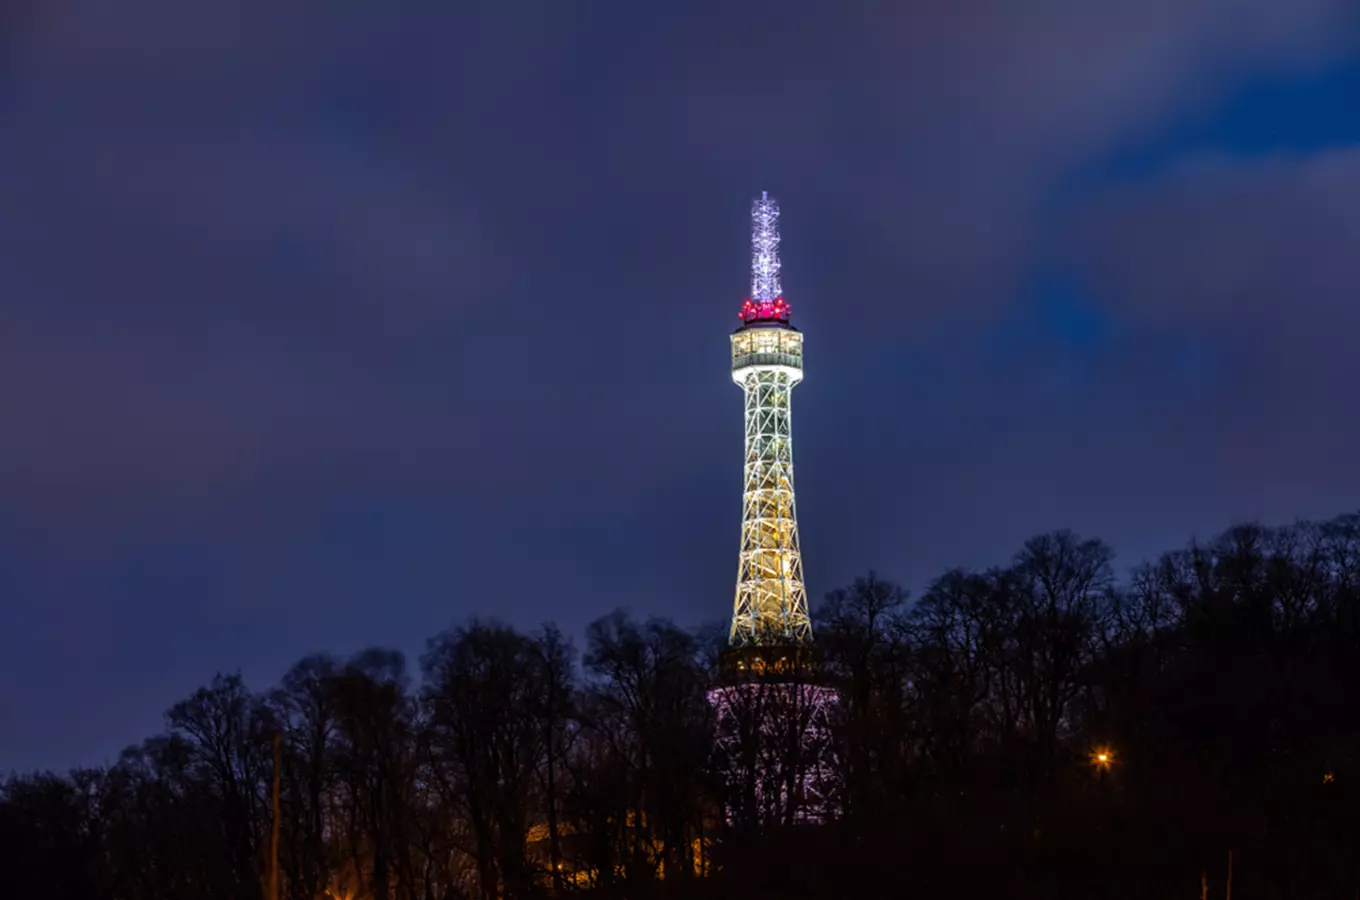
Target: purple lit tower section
(772,711)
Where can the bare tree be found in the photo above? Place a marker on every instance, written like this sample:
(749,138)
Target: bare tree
(304,705)
(227,731)
(646,700)
(1065,583)
(859,628)
(484,690)
(376,765)
(555,714)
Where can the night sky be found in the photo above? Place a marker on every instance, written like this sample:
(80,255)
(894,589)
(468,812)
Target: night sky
(328,324)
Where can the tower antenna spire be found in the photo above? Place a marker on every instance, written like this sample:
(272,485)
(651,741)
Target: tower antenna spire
(767,297)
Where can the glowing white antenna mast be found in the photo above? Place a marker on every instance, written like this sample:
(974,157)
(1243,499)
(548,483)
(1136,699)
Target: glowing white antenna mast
(765,250)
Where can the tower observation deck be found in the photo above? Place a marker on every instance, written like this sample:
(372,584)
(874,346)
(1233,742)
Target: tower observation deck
(771,608)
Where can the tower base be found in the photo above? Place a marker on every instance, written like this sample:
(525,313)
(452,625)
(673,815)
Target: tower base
(774,734)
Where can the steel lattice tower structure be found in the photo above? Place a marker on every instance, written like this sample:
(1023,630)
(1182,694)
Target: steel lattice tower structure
(767,362)
(772,712)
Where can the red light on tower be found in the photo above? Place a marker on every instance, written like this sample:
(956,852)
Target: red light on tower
(764,310)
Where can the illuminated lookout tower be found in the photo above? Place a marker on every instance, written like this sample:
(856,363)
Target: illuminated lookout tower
(767,361)
(772,714)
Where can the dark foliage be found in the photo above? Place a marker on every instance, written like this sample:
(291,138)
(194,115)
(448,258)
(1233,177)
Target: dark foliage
(1037,730)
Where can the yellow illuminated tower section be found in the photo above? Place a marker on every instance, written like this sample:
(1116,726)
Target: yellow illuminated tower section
(771,607)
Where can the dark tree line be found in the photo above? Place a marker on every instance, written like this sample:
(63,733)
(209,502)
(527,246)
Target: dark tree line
(1041,729)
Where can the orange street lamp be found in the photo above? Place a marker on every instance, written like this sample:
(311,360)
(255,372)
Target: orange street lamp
(1102,758)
